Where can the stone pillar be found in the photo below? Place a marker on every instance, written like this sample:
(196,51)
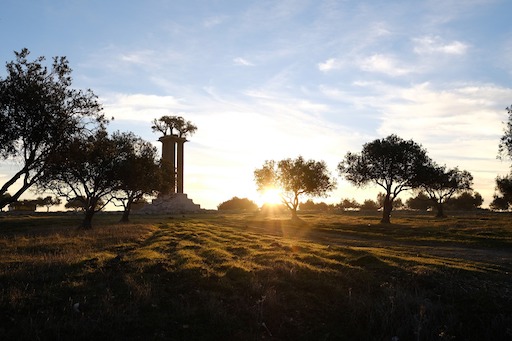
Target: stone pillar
(179,172)
(169,157)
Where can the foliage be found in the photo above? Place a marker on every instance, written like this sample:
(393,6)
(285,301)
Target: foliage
(235,203)
(310,205)
(79,203)
(48,202)
(295,178)
(170,123)
(87,168)
(348,204)
(466,201)
(369,205)
(40,111)
(505,146)
(503,200)
(440,184)
(392,163)
(420,202)
(137,173)
(24,205)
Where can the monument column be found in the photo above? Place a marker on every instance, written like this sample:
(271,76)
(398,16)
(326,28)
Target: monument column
(180,144)
(168,157)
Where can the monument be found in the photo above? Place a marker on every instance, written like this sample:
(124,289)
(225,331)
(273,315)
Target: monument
(173,199)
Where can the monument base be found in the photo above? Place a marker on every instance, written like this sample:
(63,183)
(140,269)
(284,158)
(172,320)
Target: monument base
(171,204)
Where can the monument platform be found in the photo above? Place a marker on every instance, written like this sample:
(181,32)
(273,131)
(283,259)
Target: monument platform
(171,204)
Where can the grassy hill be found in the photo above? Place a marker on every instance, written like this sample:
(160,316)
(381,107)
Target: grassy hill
(247,276)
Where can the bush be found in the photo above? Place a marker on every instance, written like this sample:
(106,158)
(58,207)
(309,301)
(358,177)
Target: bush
(236,203)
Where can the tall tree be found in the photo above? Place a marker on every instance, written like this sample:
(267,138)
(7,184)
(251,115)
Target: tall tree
(294,178)
(392,163)
(86,168)
(39,112)
(138,172)
(440,184)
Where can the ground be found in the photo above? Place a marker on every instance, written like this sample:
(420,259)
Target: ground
(247,276)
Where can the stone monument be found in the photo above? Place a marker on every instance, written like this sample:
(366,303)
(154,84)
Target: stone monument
(174,200)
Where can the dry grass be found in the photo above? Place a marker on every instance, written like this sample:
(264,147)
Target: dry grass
(246,276)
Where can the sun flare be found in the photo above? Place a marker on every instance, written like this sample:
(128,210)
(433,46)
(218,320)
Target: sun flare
(271,196)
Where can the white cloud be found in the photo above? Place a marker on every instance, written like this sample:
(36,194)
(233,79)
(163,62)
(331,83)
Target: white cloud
(383,64)
(330,64)
(434,44)
(243,62)
(140,107)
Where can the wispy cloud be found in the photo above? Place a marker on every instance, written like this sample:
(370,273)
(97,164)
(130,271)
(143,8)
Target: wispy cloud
(383,64)
(434,44)
(242,61)
(330,64)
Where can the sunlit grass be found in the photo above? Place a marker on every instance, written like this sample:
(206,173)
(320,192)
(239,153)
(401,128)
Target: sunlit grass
(251,276)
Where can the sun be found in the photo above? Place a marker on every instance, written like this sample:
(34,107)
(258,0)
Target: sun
(271,196)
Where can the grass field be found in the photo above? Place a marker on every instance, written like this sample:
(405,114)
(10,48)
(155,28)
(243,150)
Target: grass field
(231,276)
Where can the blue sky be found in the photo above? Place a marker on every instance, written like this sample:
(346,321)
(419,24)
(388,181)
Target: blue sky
(277,79)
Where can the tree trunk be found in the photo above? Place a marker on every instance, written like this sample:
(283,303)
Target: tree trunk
(386,210)
(87,222)
(440,210)
(126,212)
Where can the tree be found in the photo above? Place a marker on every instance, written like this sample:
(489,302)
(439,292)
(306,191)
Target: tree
(48,202)
(169,123)
(137,173)
(503,200)
(420,202)
(369,205)
(505,146)
(440,184)
(310,205)
(235,203)
(392,163)
(23,205)
(39,113)
(348,204)
(86,168)
(294,178)
(466,201)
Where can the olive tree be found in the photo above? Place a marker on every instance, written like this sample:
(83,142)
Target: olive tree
(440,184)
(167,124)
(295,178)
(40,111)
(86,168)
(138,172)
(392,163)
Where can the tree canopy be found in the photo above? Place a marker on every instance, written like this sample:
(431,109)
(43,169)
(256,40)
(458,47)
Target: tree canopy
(138,172)
(392,163)
(295,178)
(40,111)
(167,124)
(440,184)
(86,168)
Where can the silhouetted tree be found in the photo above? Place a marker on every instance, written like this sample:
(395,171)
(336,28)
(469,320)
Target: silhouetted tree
(503,200)
(440,184)
(23,205)
(170,123)
(392,163)
(138,172)
(235,203)
(310,205)
(348,204)
(369,205)
(39,112)
(466,201)
(48,202)
(87,168)
(505,146)
(420,202)
(295,178)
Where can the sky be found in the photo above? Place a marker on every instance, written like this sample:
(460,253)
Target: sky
(269,80)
